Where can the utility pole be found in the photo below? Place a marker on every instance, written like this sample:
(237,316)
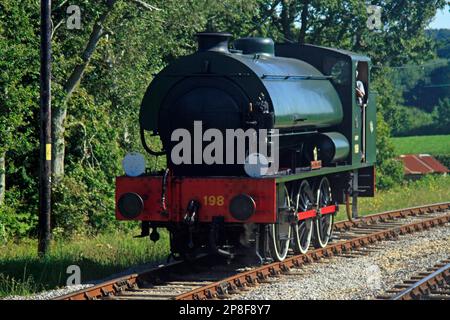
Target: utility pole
(45,133)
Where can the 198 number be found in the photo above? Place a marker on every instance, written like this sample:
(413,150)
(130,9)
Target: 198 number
(213,201)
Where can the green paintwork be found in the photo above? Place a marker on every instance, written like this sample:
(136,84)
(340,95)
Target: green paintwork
(340,143)
(319,172)
(371,132)
(313,101)
(295,88)
(307,99)
(218,65)
(255,45)
(344,82)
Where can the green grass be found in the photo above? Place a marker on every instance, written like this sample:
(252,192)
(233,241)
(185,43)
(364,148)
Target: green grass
(429,189)
(433,145)
(22,272)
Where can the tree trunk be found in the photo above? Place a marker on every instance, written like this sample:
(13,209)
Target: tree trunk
(59,114)
(304,22)
(58,124)
(2,177)
(287,18)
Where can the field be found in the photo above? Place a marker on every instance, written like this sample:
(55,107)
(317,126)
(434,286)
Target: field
(434,145)
(22,272)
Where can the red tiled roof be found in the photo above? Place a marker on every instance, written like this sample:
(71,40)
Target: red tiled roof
(422,164)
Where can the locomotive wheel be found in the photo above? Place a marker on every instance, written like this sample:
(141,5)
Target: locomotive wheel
(280,232)
(303,229)
(323,225)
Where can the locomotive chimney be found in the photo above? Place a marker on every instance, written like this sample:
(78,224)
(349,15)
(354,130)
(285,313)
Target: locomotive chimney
(213,41)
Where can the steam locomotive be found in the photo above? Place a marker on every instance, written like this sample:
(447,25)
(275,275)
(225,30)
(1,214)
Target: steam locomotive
(303,101)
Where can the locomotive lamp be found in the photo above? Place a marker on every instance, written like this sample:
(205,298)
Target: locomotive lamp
(242,207)
(133,164)
(256,165)
(130,205)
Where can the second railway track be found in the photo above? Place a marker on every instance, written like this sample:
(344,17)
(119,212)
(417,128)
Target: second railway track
(205,280)
(434,284)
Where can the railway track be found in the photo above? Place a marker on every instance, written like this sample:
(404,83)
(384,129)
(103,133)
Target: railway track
(206,280)
(434,284)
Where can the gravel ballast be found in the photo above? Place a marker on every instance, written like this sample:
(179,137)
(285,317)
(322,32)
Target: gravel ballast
(47,295)
(360,276)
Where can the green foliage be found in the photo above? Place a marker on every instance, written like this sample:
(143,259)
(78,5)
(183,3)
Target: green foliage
(431,88)
(442,39)
(390,174)
(343,24)
(442,115)
(424,87)
(15,220)
(18,72)
(413,121)
(387,100)
(444,159)
(10,286)
(389,170)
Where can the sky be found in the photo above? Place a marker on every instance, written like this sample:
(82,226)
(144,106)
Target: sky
(442,19)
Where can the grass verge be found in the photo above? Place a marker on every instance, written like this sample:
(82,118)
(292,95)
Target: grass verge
(22,272)
(430,189)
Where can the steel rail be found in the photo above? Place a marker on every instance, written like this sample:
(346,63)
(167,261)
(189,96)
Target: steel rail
(232,284)
(422,287)
(117,285)
(393,214)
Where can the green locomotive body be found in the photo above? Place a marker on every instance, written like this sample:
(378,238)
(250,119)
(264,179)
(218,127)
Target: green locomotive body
(314,102)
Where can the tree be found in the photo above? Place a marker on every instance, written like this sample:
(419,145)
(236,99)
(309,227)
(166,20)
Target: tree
(18,70)
(442,115)
(344,24)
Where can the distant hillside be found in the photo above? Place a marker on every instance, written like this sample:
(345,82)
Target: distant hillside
(442,39)
(423,88)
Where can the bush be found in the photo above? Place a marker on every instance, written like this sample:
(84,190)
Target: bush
(15,221)
(389,170)
(442,115)
(444,159)
(390,174)
(70,206)
(84,203)
(414,120)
